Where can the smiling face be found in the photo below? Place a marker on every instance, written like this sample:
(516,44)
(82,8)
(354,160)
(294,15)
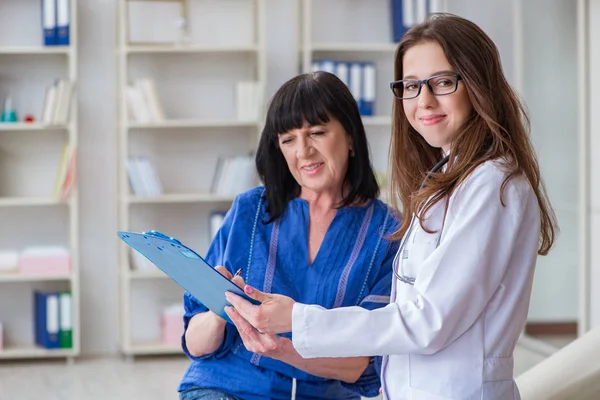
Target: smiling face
(317,156)
(436,118)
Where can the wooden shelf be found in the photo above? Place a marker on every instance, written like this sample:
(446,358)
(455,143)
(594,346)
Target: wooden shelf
(16,277)
(150,49)
(35,50)
(32,351)
(31,201)
(181,198)
(35,126)
(192,123)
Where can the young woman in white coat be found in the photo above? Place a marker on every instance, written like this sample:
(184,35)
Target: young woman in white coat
(463,166)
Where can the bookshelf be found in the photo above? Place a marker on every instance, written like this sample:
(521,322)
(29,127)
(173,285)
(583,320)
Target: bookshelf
(30,157)
(194,78)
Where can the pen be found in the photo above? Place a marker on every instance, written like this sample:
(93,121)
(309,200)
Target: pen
(238,273)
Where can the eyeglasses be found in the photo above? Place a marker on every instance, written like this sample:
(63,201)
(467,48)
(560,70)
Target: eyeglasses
(439,85)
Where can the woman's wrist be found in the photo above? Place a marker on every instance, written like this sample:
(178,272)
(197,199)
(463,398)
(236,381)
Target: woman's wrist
(216,320)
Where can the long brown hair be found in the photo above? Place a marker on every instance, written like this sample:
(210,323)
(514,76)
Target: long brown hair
(497,128)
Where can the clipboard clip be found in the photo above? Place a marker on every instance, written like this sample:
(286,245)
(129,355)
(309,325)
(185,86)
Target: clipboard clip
(161,235)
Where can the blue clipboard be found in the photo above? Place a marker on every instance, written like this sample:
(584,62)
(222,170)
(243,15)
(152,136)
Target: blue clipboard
(184,266)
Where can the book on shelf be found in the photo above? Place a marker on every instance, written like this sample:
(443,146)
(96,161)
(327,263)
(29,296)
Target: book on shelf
(359,77)
(44,260)
(63,22)
(49,22)
(407,13)
(36,260)
(65,177)
(234,175)
(53,319)
(9,260)
(46,323)
(57,103)
(143,178)
(65,331)
(143,104)
(56,21)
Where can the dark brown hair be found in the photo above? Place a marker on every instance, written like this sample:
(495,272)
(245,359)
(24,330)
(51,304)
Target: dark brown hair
(497,128)
(314,98)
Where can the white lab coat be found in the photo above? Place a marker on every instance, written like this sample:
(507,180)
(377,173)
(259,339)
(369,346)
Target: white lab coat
(452,334)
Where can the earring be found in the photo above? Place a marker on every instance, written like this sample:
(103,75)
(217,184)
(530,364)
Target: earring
(351,152)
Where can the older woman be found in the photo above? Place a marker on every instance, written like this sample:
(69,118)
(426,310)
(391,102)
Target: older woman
(315,232)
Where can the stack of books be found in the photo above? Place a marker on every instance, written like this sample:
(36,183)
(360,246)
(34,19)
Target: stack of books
(143,178)
(65,177)
(234,175)
(143,104)
(56,21)
(57,103)
(358,76)
(53,320)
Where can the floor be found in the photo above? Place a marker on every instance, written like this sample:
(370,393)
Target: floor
(119,379)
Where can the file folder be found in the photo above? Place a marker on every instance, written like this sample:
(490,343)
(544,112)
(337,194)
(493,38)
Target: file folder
(342,72)
(327,66)
(367,105)
(62,22)
(47,320)
(356,85)
(65,339)
(49,22)
(184,266)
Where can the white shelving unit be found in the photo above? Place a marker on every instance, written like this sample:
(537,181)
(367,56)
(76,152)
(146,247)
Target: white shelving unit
(30,155)
(195,84)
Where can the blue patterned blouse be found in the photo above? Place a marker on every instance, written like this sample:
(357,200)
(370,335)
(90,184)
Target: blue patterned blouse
(352,267)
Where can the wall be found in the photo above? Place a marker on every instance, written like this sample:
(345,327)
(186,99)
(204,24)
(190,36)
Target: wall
(550,91)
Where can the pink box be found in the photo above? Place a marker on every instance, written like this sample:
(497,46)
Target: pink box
(51,261)
(171,329)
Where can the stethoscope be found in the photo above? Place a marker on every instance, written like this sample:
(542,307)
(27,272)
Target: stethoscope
(402,248)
